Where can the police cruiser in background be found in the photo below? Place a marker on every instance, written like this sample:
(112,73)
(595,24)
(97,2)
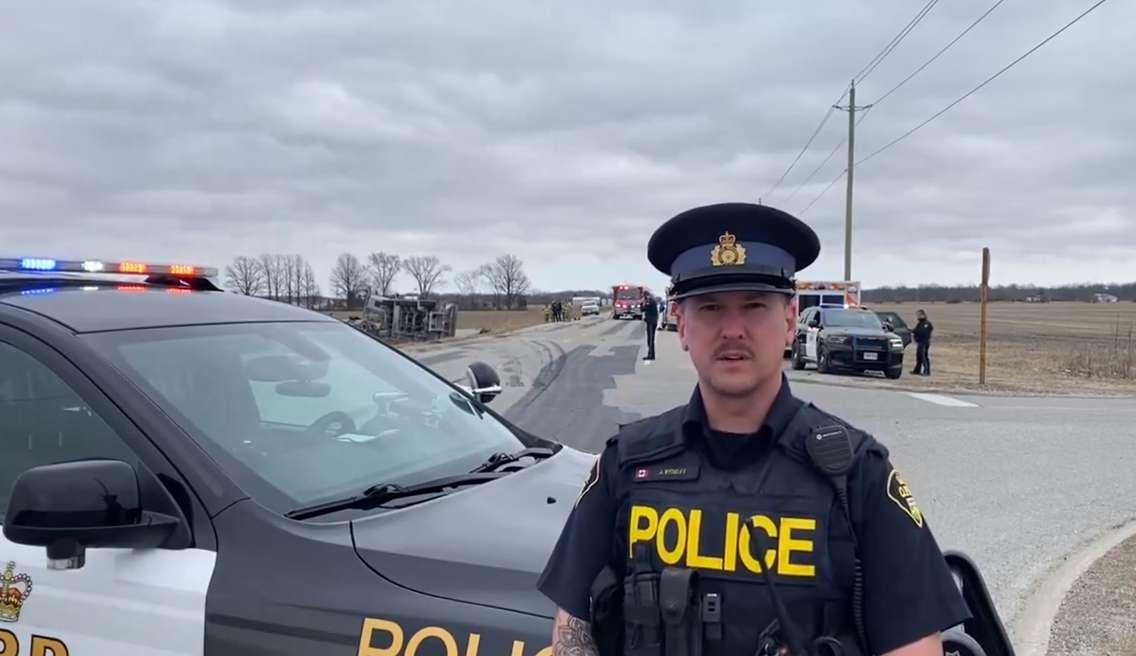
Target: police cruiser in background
(190,471)
(846,338)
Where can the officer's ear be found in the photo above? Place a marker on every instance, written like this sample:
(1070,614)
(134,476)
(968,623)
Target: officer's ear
(680,314)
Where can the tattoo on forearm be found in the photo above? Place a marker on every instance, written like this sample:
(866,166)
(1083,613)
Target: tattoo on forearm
(574,638)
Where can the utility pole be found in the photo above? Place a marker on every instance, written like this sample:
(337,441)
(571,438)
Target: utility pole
(851,109)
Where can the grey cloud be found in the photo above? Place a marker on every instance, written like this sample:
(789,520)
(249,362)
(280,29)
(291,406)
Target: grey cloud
(475,129)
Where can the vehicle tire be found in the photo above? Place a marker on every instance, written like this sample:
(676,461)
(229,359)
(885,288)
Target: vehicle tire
(823,365)
(894,372)
(797,356)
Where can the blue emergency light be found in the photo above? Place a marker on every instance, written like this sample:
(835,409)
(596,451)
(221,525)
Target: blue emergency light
(128,267)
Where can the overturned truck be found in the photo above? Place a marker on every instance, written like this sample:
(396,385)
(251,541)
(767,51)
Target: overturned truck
(407,318)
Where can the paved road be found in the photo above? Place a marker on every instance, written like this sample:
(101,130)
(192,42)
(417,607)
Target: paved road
(1017,483)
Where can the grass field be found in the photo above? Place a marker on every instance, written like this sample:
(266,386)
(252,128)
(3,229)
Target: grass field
(495,321)
(1033,347)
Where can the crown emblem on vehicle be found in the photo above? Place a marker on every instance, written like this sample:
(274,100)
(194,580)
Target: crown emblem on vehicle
(14,591)
(728,252)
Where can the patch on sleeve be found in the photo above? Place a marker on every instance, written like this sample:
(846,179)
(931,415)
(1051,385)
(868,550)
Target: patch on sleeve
(593,478)
(900,493)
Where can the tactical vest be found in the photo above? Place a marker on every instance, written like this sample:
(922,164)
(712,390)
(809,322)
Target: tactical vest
(696,538)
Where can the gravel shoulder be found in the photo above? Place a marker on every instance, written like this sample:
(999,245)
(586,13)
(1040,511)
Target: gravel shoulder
(1098,615)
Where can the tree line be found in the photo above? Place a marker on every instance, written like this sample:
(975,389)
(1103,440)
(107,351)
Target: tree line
(1000,293)
(289,278)
(286,278)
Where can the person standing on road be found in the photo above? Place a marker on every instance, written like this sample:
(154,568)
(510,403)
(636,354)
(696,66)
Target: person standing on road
(651,320)
(922,334)
(754,517)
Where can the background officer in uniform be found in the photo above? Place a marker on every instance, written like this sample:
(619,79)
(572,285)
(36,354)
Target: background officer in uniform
(922,334)
(671,492)
(651,320)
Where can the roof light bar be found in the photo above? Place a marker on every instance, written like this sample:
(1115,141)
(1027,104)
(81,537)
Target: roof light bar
(131,267)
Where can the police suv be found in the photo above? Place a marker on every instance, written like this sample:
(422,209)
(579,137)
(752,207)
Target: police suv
(190,471)
(846,338)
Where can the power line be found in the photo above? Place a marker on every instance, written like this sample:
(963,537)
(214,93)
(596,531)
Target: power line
(882,55)
(864,72)
(984,83)
(825,191)
(830,155)
(808,143)
(937,54)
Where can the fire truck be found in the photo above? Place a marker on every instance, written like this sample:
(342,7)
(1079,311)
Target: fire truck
(628,299)
(669,320)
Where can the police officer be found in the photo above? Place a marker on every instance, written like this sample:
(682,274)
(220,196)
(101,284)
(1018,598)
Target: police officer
(746,521)
(651,321)
(922,333)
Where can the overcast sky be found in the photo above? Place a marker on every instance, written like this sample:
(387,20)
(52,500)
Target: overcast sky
(564,132)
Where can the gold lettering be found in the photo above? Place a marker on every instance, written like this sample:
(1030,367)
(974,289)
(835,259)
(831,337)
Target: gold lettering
(370,625)
(787,546)
(547,651)
(764,523)
(670,556)
(42,646)
(436,632)
(639,532)
(9,643)
(473,645)
(518,648)
(693,558)
(731,550)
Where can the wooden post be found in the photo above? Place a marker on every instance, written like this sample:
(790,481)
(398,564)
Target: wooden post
(983,296)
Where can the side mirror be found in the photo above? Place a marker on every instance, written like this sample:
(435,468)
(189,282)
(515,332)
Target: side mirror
(814,322)
(983,634)
(484,383)
(67,507)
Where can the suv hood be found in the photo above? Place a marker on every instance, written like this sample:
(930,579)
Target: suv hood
(856,332)
(485,544)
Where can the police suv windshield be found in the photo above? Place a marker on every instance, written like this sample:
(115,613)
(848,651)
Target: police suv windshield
(300,413)
(839,318)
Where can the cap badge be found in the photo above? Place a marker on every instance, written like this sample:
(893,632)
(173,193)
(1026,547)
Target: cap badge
(728,252)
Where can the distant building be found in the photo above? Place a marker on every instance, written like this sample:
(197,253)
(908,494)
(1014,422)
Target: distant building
(1105,298)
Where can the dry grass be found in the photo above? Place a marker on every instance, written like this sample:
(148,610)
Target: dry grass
(1042,347)
(496,321)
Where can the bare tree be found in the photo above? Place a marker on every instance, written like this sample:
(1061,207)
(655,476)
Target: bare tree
(507,276)
(427,272)
(272,267)
(468,282)
(309,288)
(384,267)
(245,276)
(348,278)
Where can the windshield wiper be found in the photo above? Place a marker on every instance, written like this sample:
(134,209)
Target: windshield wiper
(499,459)
(383,492)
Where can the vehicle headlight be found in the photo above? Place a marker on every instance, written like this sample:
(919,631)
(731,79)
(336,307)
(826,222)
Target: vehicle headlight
(896,343)
(837,339)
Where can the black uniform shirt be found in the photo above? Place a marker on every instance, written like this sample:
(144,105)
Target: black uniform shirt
(909,591)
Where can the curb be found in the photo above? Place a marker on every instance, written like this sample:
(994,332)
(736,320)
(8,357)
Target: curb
(1034,624)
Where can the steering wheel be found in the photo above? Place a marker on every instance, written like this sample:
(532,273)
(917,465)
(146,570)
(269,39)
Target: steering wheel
(332,424)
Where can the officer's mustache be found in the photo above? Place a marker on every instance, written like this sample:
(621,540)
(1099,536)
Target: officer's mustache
(732,351)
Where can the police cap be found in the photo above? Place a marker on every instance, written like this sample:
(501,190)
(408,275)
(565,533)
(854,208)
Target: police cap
(732,247)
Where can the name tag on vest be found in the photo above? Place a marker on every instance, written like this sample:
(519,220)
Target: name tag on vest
(674,472)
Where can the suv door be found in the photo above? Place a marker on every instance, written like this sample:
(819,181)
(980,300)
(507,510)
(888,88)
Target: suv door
(112,600)
(811,334)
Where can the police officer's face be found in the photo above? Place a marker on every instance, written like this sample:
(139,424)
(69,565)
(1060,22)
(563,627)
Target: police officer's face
(736,340)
